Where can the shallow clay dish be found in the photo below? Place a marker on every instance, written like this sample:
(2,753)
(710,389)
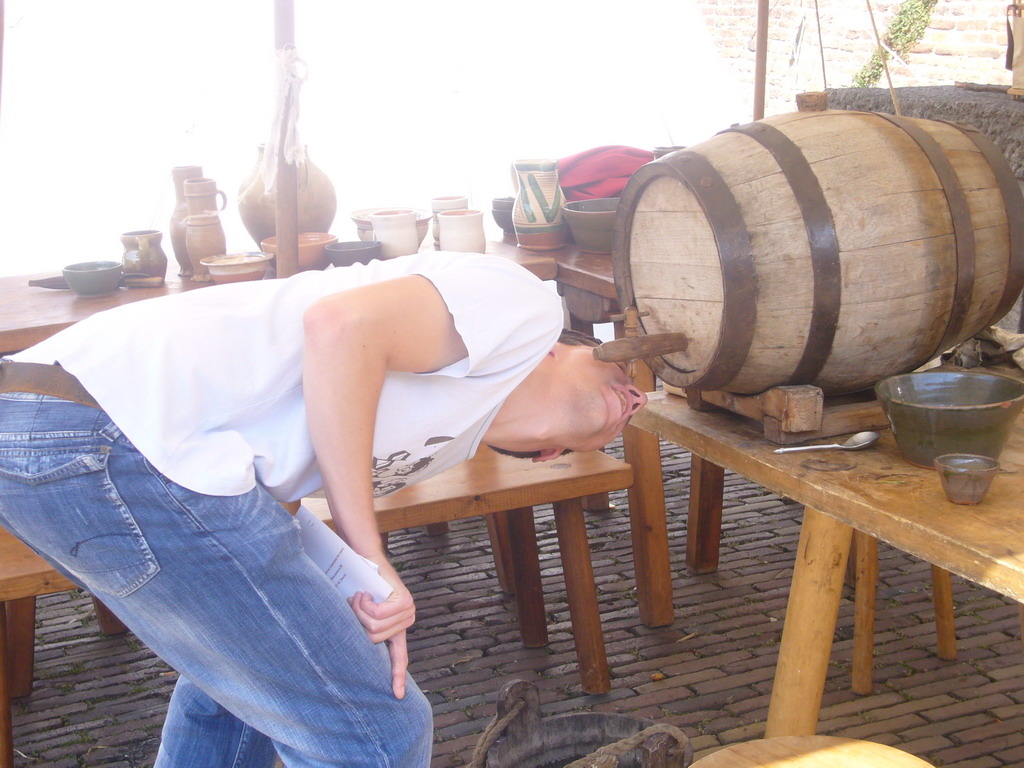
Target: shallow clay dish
(238,267)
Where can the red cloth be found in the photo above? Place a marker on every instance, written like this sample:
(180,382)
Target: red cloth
(599,172)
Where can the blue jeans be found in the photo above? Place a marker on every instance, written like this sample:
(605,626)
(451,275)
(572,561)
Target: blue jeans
(271,658)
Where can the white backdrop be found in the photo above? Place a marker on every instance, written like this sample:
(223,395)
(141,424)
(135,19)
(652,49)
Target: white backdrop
(404,101)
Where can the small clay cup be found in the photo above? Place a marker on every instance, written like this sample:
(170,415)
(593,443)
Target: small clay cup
(93,278)
(345,254)
(966,477)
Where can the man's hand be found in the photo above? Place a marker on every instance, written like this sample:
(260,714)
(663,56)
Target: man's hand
(387,621)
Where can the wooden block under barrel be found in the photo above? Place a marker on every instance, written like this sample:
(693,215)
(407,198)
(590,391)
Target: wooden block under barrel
(792,414)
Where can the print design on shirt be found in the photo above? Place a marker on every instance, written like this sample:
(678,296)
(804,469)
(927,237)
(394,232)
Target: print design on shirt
(401,468)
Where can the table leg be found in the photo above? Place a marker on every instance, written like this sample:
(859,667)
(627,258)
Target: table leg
(865,591)
(584,612)
(501,550)
(597,502)
(6,724)
(810,624)
(533,628)
(945,626)
(704,521)
(647,518)
(21,645)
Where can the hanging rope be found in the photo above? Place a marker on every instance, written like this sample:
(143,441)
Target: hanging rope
(884,58)
(284,134)
(821,48)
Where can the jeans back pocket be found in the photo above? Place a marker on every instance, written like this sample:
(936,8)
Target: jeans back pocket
(58,497)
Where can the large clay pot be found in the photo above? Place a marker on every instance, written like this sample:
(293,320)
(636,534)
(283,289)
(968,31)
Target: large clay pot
(177,226)
(317,201)
(827,248)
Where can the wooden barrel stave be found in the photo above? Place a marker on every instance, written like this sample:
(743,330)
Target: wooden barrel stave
(898,250)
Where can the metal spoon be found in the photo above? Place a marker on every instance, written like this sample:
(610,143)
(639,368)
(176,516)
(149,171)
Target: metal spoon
(853,443)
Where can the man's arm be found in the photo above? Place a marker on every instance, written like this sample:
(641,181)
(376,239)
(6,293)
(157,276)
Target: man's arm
(351,340)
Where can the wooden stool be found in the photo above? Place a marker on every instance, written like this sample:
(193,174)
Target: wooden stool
(23,577)
(809,752)
(505,490)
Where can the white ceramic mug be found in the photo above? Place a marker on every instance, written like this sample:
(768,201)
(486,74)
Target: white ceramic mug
(446,203)
(396,230)
(462,230)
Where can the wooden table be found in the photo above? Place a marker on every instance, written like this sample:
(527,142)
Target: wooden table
(873,491)
(30,314)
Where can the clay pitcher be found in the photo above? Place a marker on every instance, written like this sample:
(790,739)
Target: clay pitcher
(177,226)
(317,201)
(202,195)
(144,262)
(537,212)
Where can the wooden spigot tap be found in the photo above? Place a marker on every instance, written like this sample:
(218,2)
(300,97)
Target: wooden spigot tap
(633,346)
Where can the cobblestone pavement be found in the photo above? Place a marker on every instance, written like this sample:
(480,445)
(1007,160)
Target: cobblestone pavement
(99,701)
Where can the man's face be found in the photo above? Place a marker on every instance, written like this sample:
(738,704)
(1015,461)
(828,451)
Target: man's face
(599,399)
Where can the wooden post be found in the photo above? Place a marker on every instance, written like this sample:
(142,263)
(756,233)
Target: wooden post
(760,58)
(287,213)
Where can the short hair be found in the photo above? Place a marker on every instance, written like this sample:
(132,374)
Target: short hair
(573,339)
(578,339)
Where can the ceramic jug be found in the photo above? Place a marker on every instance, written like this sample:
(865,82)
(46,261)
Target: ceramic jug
(317,201)
(537,213)
(204,237)
(177,226)
(144,262)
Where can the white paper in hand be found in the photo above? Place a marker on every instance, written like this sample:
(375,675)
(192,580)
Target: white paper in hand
(349,571)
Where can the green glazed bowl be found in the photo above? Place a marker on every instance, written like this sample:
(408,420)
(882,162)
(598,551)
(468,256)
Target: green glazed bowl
(93,278)
(938,412)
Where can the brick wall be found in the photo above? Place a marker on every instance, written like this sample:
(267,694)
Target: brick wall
(965,41)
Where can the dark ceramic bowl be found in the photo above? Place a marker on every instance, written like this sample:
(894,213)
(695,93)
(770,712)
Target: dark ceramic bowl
(501,210)
(93,278)
(591,223)
(938,412)
(351,252)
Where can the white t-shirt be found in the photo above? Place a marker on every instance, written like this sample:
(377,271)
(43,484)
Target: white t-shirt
(208,384)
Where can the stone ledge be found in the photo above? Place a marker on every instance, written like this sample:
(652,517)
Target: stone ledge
(998,116)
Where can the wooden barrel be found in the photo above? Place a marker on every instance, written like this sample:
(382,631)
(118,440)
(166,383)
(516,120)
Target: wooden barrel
(829,248)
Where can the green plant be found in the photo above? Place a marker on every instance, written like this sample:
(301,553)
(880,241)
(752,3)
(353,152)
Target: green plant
(906,28)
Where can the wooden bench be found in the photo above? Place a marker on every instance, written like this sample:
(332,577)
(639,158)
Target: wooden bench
(505,490)
(24,576)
